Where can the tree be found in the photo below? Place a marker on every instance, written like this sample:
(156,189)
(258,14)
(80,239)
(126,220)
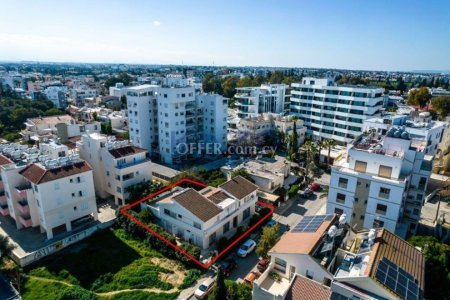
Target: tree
(219,291)
(419,97)
(94,116)
(437,266)
(123,101)
(5,248)
(295,135)
(229,86)
(329,143)
(311,150)
(269,238)
(441,104)
(401,86)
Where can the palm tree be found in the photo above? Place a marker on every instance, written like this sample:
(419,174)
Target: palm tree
(320,145)
(329,143)
(311,151)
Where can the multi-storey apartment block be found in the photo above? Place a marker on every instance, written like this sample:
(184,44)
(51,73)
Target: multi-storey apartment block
(162,118)
(268,98)
(202,217)
(333,111)
(381,181)
(117,165)
(48,188)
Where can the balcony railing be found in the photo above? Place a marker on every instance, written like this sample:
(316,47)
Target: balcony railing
(4,209)
(23,206)
(21,191)
(126,165)
(25,221)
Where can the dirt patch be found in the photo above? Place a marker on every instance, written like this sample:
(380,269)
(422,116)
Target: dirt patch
(177,277)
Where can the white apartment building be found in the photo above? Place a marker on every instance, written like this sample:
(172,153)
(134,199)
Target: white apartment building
(161,118)
(79,94)
(268,98)
(263,124)
(380,181)
(333,111)
(116,165)
(52,191)
(202,217)
(421,127)
(57,95)
(118,90)
(322,258)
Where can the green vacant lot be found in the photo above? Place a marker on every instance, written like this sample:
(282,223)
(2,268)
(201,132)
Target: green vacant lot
(108,265)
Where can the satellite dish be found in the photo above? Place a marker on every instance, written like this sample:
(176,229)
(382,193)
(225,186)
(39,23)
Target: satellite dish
(372,235)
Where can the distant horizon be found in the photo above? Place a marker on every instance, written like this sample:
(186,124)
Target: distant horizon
(344,35)
(218,66)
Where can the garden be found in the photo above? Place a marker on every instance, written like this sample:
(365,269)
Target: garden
(112,264)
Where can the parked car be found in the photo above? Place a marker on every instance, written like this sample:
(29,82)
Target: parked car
(246,248)
(228,266)
(270,223)
(204,289)
(306,193)
(314,187)
(262,265)
(251,277)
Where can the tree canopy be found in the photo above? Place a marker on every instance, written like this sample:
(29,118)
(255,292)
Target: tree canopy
(122,77)
(441,104)
(419,97)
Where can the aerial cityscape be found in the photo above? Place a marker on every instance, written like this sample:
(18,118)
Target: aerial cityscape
(231,150)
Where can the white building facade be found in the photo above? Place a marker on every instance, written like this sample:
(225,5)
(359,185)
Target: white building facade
(116,165)
(381,181)
(333,111)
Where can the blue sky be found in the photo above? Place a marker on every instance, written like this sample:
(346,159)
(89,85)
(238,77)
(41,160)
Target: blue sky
(351,34)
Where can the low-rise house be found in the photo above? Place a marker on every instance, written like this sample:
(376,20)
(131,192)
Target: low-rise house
(267,173)
(202,217)
(373,264)
(117,165)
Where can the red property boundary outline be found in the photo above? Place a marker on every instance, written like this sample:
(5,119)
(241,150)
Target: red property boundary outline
(124,210)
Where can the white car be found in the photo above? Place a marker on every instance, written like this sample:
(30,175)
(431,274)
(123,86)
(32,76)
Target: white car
(204,288)
(246,248)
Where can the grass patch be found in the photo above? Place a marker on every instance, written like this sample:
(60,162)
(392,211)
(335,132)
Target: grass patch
(108,261)
(138,275)
(139,295)
(191,277)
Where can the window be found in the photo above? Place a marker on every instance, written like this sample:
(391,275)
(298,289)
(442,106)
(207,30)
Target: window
(360,166)
(384,193)
(246,213)
(340,198)
(378,224)
(107,173)
(73,195)
(419,197)
(226,227)
(381,209)
(343,182)
(361,217)
(212,238)
(119,189)
(80,193)
(309,274)
(422,183)
(197,225)
(356,199)
(338,211)
(166,211)
(385,171)
(78,179)
(280,264)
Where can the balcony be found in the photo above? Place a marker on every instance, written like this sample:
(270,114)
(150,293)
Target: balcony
(273,283)
(23,206)
(133,163)
(4,210)
(25,221)
(21,191)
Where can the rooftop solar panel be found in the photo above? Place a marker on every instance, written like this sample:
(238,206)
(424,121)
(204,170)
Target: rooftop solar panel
(397,280)
(311,223)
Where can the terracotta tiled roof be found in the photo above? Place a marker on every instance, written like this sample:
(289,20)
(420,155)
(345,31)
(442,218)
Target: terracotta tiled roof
(200,206)
(400,252)
(37,174)
(302,242)
(125,151)
(217,197)
(4,160)
(52,119)
(239,187)
(303,288)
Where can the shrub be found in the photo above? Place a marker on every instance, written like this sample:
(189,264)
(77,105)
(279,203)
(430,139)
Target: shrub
(293,190)
(191,277)
(76,293)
